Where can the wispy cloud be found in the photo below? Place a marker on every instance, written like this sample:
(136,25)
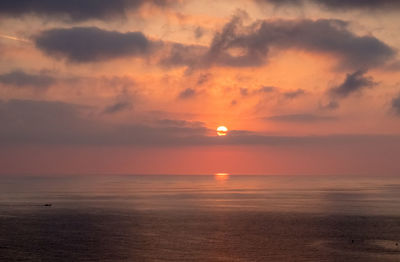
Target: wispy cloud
(10,37)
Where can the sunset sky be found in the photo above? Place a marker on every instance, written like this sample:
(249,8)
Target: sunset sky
(139,87)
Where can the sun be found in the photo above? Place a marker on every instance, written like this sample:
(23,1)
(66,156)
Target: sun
(222,131)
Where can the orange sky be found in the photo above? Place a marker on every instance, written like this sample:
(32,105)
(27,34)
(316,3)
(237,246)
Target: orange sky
(137,86)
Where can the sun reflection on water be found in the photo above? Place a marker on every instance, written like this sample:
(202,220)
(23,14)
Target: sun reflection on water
(221,176)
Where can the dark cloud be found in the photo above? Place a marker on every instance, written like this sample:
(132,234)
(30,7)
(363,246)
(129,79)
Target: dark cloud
(187,93)
(199,32)
(261,90)
(294,94)
(237,45)
(228,39)
(300,118)
(74,9)
(341,4)
(267,89)
(20,79)
(118,107)
(91,44)
(354,82)
(396,105)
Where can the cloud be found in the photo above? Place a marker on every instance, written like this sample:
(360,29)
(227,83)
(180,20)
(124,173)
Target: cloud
(91,44)
(182,55)
(294,94)
(75,10)
(393,66)
(179,123)
(203,78)
(44,122)
(396,105)
(246,138)
(354,82)
(261,90)
(118,107)
(187,93)
(228,39)
(20,79)
(237,45)
(340,4)
(199,32)
(267,89)
(28,121)
(300,118)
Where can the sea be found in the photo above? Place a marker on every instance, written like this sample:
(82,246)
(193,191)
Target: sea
(215,217)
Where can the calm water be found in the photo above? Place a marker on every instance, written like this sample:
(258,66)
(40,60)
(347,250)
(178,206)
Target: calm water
(200,218)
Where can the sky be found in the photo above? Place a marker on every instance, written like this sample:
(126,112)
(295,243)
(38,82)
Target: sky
(140,86)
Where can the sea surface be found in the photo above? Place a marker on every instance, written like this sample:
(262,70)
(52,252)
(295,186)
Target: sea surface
(218,217)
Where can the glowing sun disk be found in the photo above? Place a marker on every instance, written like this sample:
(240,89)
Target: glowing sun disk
(222,131)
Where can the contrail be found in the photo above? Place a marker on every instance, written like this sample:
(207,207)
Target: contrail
(14,38)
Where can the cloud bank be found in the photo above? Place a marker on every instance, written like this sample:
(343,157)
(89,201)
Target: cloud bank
(340,4)
(21,79)
(237,45)
(54,123)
